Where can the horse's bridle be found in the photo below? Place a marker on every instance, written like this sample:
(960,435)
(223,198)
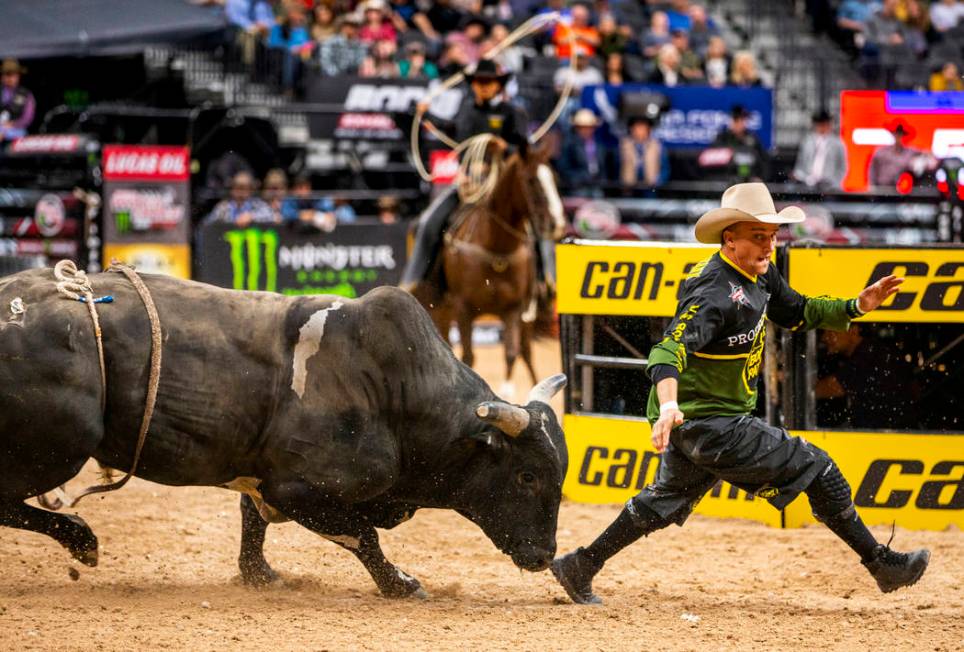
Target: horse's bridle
(499,262)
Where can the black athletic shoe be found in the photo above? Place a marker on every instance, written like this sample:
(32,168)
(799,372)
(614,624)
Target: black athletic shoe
(575,575)
(894,570)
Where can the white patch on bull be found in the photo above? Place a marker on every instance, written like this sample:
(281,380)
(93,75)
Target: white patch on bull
(548,182)
(402,575)
(349,542)
(309,341)
(248,485)
(545,431)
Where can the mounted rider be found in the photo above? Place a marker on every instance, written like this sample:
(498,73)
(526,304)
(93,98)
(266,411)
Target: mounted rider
(486,110)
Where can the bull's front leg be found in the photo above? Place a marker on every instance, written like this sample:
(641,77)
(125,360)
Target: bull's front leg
(344,525)
(254,568)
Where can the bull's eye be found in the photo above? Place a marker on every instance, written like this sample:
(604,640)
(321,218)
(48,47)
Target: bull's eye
(527,477)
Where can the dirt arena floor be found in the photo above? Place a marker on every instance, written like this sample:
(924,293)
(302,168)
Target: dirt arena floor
(167,580)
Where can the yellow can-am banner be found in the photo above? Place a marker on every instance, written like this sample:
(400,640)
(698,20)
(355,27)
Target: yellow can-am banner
(915,480)
(611,459)
(933,290)
(624,278)
(171,259)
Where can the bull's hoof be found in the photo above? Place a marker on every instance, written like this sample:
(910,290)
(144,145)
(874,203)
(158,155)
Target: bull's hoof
(80,542)
(402,585)
(258,575)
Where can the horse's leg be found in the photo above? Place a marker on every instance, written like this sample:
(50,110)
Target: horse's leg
(465,318)
(441,316)
(525,350)
(511,340)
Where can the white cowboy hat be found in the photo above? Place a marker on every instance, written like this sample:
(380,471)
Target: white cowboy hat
(374,5)
(585,118)
(744,202)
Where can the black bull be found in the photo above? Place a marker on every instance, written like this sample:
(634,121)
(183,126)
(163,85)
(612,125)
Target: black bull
(343,415)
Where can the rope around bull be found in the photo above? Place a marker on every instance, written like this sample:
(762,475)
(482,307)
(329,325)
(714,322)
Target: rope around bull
(74,284)
(478,178)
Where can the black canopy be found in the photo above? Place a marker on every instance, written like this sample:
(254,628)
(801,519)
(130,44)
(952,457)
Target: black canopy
(57,28)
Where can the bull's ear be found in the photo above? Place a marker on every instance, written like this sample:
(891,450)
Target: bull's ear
(545,390)
(510,419)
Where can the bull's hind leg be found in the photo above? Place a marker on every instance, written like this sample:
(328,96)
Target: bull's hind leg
(254,568)
(344,525)
(68,530)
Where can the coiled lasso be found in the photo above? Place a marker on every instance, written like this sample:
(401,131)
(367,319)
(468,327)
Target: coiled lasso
(476,176)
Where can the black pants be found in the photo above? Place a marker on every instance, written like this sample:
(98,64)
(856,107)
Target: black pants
(428,235)
(742,450)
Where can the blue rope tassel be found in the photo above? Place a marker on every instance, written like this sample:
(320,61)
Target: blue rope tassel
(107,299)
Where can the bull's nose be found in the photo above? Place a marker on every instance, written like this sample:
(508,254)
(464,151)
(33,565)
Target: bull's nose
(534,559)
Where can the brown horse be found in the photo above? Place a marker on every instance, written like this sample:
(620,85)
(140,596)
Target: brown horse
(488,258)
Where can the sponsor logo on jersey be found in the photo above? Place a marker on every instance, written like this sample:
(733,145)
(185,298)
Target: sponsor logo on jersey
(737,295)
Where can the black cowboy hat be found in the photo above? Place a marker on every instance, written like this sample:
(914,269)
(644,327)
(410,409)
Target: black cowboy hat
(487,69)
(821,116)
(637,118)
(473,19)
(900,129)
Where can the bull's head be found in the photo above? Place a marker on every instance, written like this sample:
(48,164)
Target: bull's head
(514,497)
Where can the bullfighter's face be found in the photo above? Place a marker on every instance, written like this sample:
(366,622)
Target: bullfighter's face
(750,245)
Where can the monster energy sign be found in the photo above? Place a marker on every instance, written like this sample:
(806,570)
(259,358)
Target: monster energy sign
(349,261)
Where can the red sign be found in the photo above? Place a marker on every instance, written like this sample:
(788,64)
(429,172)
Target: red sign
(146,163)
(934,123)
(444,166)
(45,144)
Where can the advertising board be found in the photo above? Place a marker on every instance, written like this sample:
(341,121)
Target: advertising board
(349,261)
(613,278)
(913,480)
(933,289)
(696,114)
(934,123)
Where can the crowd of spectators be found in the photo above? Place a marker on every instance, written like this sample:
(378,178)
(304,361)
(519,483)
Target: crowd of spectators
(667,42)
(670,43)
(280,203)
(886,36)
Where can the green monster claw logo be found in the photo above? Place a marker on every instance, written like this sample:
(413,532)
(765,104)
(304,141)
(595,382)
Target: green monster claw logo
(247,248)
(123,221)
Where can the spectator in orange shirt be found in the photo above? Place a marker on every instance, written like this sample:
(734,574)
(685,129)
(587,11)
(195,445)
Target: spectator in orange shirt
(586,36)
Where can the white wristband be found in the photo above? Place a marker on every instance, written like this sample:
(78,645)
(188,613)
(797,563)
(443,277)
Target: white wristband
(668,405)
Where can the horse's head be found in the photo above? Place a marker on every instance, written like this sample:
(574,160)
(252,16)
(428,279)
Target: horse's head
(531,191)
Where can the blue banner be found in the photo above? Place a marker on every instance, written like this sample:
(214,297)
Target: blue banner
(696,113)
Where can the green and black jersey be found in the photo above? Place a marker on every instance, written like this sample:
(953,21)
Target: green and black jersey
(714,344)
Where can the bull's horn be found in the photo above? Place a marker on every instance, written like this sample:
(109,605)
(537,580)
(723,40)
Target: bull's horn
(510,419)
(546,389)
